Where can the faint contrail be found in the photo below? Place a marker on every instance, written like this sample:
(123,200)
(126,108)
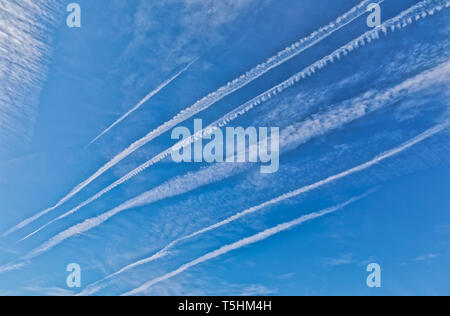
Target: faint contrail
(93,222)
(214,97)
(163,252)
(144,100)
(242,243)
(418,11)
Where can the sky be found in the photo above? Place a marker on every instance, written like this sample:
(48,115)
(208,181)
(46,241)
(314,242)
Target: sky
(86,174)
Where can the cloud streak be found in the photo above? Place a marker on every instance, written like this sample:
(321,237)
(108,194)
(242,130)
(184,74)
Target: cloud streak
(143,101)
(211,99)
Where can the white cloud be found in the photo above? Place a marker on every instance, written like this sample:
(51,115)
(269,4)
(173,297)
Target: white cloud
(257,289)
(427,257)
(345,259)
(49,291)
(23,57)
(183,28)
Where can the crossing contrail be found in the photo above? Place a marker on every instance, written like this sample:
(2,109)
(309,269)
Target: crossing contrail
(143,101)
(212,98)
(403,19)
(242,243)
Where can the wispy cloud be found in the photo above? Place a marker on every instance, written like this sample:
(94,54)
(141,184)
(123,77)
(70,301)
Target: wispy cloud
(240,244)
(195,26)
(213,98)
(339,261)
(49,291)
(256,290)
(427,257)
(13,267)
(24,55)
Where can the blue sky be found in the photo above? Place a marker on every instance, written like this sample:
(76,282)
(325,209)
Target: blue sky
(368,108)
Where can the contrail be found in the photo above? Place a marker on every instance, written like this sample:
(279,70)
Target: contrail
(93,222)
(400,21)
(242,243)
(80,228)
(421,13)
(214,97)
(165,251)
(291,137)
(144,100)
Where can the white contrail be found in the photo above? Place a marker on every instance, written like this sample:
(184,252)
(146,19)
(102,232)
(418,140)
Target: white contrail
(94,222)
(291,137)
(212,98)
(242,243)
(12,267)
(403,19)
(163,252)
(99,285)
(144,100)
(88,224)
